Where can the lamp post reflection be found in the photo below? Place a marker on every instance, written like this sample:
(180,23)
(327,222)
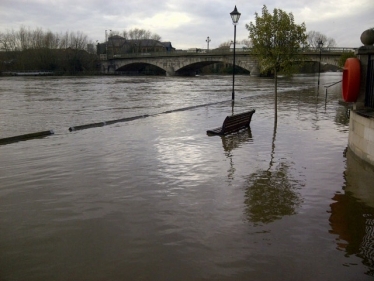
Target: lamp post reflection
(320,45)
(231,142)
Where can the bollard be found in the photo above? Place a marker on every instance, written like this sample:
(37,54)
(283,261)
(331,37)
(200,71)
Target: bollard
(82,127)
(101,124)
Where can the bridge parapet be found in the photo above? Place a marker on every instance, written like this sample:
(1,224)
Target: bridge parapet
(218,52)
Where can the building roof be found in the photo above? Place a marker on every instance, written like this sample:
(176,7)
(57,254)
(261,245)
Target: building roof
(167,44)
(147,42)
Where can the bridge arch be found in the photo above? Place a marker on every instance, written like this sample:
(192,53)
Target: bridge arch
(197,63)
(137,67)
(177,65)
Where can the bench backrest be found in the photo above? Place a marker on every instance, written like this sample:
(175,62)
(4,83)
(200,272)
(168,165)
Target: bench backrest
(237,121)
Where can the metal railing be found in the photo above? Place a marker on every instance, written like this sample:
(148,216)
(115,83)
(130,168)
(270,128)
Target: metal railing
(369,95)
(176,53)
(328,86)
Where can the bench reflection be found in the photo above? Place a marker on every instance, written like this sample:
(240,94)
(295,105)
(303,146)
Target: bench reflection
(235,140)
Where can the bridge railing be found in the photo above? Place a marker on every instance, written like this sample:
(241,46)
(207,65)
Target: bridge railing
(212,52)
(199,52)
(336,49)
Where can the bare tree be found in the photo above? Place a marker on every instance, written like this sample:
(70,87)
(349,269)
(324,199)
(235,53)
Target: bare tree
(78,41)
(314,37)
(24,38)
(114,32)
(38,38)
(246,42)
(140,34)
(36,49)
(225,45)
(8,41)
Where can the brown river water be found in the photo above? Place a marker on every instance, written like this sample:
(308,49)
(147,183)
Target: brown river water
(157,199)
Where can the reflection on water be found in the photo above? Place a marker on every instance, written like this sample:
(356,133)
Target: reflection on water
(352,213)
(235,140)
(342,116)
(353,222)
(231,142)
(271,194)
(359,179)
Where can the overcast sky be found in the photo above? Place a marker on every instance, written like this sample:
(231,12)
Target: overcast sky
(185,23)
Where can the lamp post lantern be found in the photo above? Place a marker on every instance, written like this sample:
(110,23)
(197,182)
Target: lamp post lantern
(320,45)
(235,15)
(207,41)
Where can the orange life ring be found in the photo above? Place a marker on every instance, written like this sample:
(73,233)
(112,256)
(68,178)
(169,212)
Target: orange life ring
(351,80)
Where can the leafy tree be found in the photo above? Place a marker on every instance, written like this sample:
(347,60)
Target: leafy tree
(276,43)
(314,37)
(344,57)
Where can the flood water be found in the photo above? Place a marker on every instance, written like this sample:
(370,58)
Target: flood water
(157,199)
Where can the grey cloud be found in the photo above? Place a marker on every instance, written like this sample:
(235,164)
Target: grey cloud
(208,18)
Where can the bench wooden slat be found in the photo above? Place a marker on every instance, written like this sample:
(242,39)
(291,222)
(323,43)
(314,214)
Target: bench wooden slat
(233,123)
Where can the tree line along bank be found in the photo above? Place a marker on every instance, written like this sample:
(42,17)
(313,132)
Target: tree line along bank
(72,53)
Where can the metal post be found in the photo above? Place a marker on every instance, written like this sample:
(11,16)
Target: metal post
(325,97)
(235,15)
(320,45)
(106,44)
(233,67)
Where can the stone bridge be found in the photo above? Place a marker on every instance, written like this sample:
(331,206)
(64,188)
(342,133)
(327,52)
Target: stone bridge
(187,63)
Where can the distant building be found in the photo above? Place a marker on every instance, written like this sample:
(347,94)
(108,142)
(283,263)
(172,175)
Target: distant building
(117,45)
(238,47)
(91,48)
(168,46)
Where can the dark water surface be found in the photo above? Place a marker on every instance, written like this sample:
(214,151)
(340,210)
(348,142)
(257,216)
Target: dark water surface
(157,199)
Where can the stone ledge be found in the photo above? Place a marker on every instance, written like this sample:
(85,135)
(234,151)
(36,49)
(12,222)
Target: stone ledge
(365,50)
(365,112)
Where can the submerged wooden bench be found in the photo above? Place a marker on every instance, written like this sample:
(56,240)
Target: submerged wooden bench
(233,123)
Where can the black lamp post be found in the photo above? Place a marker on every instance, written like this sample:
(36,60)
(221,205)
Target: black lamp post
(235,15)
(320,45)
(207,41)
(106,43)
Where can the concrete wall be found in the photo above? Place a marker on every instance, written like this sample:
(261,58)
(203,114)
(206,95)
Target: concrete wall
(361,137)
(359,177)
(361,128)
